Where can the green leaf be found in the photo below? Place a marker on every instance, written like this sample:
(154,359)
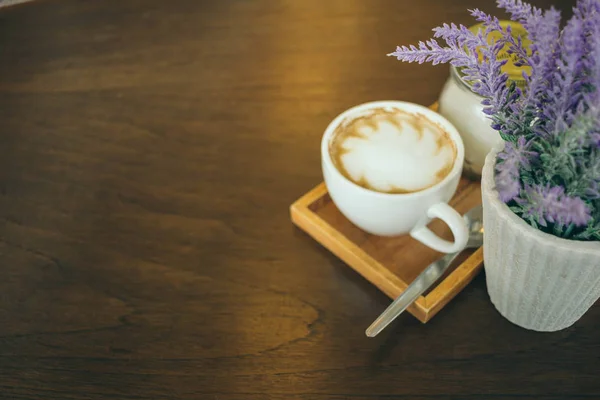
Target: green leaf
(516,209)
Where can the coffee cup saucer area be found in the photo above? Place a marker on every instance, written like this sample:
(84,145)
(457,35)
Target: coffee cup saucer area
(391,262)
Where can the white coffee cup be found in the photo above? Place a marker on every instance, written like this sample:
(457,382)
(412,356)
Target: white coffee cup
(393,214)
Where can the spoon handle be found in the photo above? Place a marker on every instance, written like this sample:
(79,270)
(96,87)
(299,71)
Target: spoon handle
(427,278)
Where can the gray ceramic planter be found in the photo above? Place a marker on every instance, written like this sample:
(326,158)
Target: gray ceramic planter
(535,280)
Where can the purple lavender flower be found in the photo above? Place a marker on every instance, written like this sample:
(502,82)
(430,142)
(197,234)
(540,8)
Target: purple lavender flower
(507,185)
(511,160)
(592,192)
(566,82)
(540,203)
(542,27)
(586,7)
(545,31)
(492,23)
(548,204)
(516,155)
(574,211)
(519,10)
(589,12)
(462,51)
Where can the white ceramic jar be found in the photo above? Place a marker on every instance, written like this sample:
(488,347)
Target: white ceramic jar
(462,107)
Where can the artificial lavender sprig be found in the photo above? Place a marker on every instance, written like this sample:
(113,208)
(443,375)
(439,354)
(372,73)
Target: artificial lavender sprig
(590,14)
(515,157)
(520,11)
(544,205)
(542,62)
(515,45)
(462,51)
(566,79)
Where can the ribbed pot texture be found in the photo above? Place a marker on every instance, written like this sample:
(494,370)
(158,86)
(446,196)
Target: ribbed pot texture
(535,280)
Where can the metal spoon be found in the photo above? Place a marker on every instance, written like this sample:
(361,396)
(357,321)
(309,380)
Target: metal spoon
(474,220)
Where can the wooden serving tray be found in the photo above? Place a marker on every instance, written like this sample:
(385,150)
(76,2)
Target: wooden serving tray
(391,264)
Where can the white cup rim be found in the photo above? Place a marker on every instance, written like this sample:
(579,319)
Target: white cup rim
(405,106)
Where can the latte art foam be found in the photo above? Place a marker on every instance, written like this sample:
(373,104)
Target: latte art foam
(392,151)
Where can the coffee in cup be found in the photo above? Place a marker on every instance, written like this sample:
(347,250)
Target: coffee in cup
(391,167)
(390,150)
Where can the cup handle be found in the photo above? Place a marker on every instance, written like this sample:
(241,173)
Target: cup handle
(455,222)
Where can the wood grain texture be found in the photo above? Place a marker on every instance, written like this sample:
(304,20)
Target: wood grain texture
(149,152)
(391,264)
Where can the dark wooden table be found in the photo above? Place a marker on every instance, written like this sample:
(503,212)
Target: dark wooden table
(149,151)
